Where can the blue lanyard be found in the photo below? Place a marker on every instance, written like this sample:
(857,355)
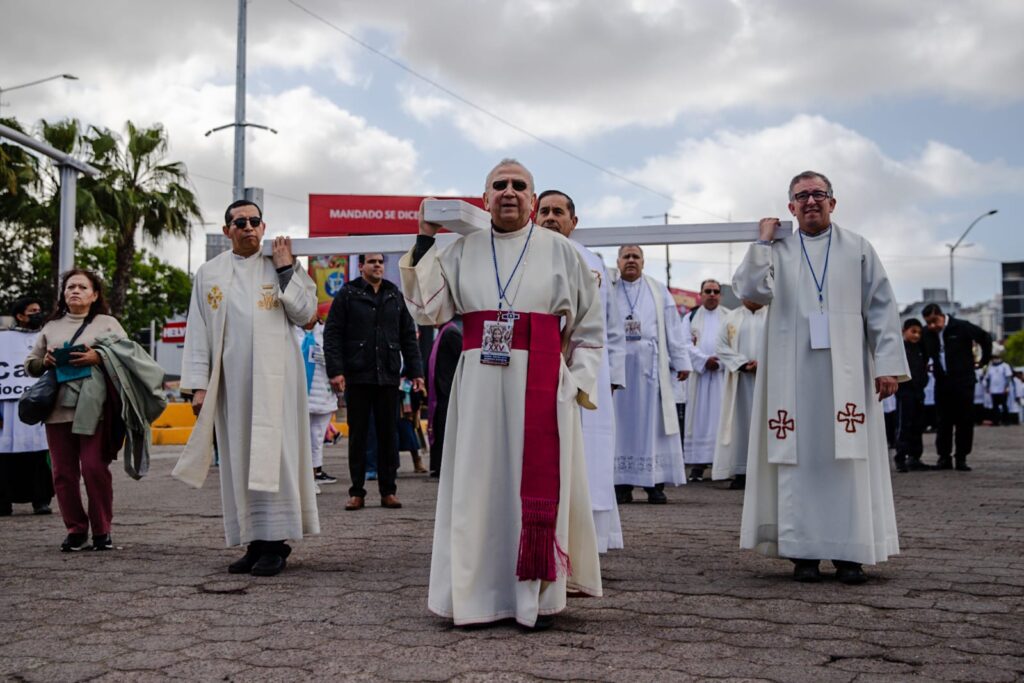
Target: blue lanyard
(828,248)
(632,304)
(497,277)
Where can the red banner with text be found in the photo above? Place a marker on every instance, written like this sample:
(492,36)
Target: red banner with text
(332,215)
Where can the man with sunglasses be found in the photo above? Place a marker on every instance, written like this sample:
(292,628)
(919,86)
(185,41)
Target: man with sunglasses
(818,483)
(369,333)
(704,400)
(513,528)
(243,366)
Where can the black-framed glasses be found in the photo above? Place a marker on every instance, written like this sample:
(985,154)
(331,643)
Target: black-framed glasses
(253,221)
(818,195)
(517,185)
(712,291)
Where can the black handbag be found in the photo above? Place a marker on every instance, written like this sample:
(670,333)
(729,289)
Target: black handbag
(36,404)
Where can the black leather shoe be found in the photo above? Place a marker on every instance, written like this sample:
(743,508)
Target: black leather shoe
(738,483)
(915,465)
(245,564)
(806,571)
(623,497)
(944,464)
(656,497)
(850,573)
(962,466)
(543,623)
(269,564)
(901,463)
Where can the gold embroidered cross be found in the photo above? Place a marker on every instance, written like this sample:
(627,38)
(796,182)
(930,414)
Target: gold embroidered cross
(214,297)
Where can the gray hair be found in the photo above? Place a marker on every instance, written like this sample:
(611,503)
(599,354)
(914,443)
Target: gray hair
(809,175)
(508,161)
(631,246)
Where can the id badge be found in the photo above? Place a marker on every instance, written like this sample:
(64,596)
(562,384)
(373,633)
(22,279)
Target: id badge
(496,345)
(819,330)
(316,355)
(632,329)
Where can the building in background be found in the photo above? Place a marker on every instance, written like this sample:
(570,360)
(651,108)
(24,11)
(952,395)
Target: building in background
(1013,297)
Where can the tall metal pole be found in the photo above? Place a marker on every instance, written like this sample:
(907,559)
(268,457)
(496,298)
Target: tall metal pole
(68,192)
(952,249)
(238,184)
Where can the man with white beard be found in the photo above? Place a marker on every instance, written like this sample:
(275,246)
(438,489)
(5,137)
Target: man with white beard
(700,327)
(738,343)
(648,451)
(556,211)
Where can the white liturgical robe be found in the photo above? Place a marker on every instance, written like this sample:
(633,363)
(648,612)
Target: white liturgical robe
(599,425)
(240,348)
(479,513)
(704,404)
(648,449)
(738,341)
(818,482)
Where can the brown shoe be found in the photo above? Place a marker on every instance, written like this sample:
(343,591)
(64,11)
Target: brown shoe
(417,464)
(354,503)
(390,501)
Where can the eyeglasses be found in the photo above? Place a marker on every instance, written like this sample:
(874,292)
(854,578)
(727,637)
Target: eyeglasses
(517,185)
(712,291)
(253,221)
(819,196)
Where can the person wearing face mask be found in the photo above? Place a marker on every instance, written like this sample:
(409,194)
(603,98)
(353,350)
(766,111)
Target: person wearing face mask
(24,470)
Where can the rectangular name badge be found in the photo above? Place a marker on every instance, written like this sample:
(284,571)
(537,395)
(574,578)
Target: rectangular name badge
(316,355)
(496,345)
(632,330)
(819,330)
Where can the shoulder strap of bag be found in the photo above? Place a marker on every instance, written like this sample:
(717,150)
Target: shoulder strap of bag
(81,328)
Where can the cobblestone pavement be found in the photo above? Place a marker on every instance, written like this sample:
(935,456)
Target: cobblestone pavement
(682,601)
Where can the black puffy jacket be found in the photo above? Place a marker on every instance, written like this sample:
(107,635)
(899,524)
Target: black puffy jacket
(368,334)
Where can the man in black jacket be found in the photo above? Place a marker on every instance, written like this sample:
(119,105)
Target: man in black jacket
(910,402)
(950,346)
(369,333)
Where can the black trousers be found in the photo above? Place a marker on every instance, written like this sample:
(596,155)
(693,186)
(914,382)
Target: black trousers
(360,399)
(440,423)
(956,414)
(909,426)
(1000,409)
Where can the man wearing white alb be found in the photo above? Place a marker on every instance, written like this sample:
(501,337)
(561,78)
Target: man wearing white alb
(700,329)
(818,482)
(738,343)
(648,451)
(556,211)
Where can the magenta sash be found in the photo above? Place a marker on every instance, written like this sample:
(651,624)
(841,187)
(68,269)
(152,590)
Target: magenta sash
(540,556)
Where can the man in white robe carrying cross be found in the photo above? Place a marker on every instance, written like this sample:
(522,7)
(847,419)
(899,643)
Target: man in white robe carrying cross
(556,211)
(818,483)
(704,401)
(513,528)
(243,365)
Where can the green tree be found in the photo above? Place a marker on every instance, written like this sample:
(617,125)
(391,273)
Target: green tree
(1013,352)
(19,183)
(157,290)
(138,190)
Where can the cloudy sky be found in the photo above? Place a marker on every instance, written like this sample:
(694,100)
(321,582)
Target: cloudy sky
(700,108)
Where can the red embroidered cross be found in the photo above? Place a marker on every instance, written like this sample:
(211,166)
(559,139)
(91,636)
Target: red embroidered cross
(851,417)
(782,424)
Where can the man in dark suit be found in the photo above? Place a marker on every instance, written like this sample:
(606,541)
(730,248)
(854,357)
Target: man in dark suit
(950,346)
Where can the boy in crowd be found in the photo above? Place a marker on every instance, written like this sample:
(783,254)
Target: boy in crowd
(910,402)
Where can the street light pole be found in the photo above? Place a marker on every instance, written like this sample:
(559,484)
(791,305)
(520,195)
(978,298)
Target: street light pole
(952,250)
(31,83)
(668,260)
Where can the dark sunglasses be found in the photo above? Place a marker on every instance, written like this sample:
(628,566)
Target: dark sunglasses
(712,291)
(517,185)
(254,221)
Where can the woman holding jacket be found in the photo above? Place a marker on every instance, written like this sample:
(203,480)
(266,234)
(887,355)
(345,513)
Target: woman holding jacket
(80,310)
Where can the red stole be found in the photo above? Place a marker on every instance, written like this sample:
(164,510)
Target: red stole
(540,556)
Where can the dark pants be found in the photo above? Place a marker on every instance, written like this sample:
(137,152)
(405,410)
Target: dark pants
(956,413)
(77,457)
(1000,410)
(439,424)
(383,401)
(891,425)
(909,426)
(25,478)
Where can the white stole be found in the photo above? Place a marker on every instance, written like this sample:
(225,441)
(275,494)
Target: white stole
(270,340)
(846,335)
(668,401)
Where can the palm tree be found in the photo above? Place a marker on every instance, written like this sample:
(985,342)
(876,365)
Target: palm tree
(137,189)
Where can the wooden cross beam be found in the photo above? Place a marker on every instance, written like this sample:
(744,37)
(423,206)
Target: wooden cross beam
(463,219)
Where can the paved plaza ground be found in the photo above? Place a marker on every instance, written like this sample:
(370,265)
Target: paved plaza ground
(682,601)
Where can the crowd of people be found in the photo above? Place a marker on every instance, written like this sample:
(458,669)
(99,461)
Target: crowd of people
(552,389)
